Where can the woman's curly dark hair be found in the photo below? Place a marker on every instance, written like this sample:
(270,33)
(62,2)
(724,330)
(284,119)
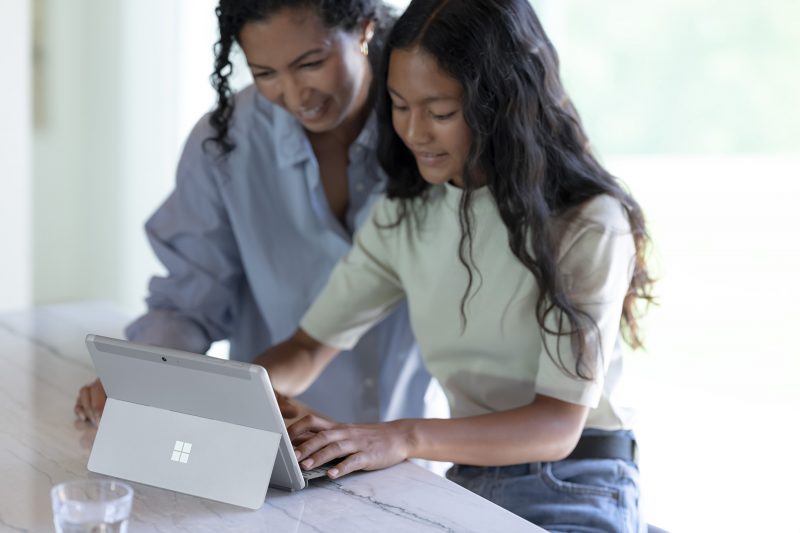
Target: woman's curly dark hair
(527,144)
(232,15)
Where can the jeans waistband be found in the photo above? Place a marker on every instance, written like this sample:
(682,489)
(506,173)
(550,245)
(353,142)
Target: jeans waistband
(593,444)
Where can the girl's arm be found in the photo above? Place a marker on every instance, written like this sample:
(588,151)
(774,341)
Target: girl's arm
(545,430)
(295,364)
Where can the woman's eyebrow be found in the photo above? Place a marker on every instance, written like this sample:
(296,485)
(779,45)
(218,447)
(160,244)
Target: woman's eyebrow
(294,62)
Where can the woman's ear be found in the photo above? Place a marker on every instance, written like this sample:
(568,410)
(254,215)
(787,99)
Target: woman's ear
(367,31)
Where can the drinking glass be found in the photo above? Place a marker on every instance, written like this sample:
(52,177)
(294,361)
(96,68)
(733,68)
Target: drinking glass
(91,506)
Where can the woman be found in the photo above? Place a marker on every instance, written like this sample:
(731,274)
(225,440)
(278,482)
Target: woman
(522,260)
(270,187)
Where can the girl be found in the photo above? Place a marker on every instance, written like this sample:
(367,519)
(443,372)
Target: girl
(521,259)
(270,188)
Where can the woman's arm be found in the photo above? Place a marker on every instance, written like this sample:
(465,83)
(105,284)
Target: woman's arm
(295,364)
(197,301)
(545,430)
(190,233)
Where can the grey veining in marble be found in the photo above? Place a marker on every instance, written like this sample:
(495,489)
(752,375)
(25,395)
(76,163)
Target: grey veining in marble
(44,362)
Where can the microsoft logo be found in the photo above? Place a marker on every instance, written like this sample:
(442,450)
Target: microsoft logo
(181,452)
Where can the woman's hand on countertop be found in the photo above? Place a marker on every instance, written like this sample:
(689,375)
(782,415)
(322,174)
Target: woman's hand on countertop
(91,401)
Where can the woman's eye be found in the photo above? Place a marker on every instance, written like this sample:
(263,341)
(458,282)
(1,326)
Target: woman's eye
(264,75)
(398,107)
(312,65)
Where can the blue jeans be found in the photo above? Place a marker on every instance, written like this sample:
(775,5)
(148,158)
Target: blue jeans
(576,495)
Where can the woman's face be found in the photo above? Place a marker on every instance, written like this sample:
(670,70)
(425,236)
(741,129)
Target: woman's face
(317,74)
(427,115)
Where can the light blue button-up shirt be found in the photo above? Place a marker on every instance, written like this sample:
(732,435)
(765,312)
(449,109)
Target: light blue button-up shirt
(249,241)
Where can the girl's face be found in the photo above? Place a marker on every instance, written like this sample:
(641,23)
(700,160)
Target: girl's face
(427,115)
(317,74)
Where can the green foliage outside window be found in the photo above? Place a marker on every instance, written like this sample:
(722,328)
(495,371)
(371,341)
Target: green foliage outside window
(682,76)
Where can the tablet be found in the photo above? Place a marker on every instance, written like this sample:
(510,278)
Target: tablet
(190,423)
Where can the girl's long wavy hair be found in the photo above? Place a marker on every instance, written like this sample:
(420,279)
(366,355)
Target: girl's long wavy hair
(528,146)
(232,15)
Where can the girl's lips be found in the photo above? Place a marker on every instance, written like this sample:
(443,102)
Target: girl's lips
(428,158)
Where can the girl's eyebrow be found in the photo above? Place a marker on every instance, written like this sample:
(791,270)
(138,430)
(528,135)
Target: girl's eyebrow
(425,100)
(395,93)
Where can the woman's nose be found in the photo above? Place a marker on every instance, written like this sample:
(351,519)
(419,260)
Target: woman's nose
(294,94)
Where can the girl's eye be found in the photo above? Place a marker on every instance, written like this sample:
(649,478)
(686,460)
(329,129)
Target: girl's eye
(312,65)
(398,107)
(265,74)
(443,117)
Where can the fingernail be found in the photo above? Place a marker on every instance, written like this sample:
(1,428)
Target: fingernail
(297,453)
(333,472)
(307,463)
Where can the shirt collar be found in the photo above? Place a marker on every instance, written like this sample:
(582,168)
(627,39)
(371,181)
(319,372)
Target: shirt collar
(368,138)
(481,197)
(366,146)
(291,144)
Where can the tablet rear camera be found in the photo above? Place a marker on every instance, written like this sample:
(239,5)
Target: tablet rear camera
(164,359)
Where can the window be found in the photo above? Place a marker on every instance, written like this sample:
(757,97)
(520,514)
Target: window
(694,106)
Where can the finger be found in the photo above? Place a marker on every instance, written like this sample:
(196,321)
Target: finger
(289,411)
(334,450)
(78,409)
(309,423)
(80,413)
(329,454)
(309,446)
(356,461)
(98,405)
(302,438)
(289,408)
(85,401)
(98,398)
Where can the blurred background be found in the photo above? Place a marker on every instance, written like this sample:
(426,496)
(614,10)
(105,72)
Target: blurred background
(694,105)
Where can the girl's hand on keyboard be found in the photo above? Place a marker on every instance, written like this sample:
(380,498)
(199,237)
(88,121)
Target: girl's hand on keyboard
(319,440)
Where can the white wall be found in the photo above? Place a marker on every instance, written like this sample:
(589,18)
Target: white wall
(74,150)
(124,83)
(15,149)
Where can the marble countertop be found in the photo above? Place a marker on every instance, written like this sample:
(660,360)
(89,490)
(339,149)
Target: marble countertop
(44,362)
